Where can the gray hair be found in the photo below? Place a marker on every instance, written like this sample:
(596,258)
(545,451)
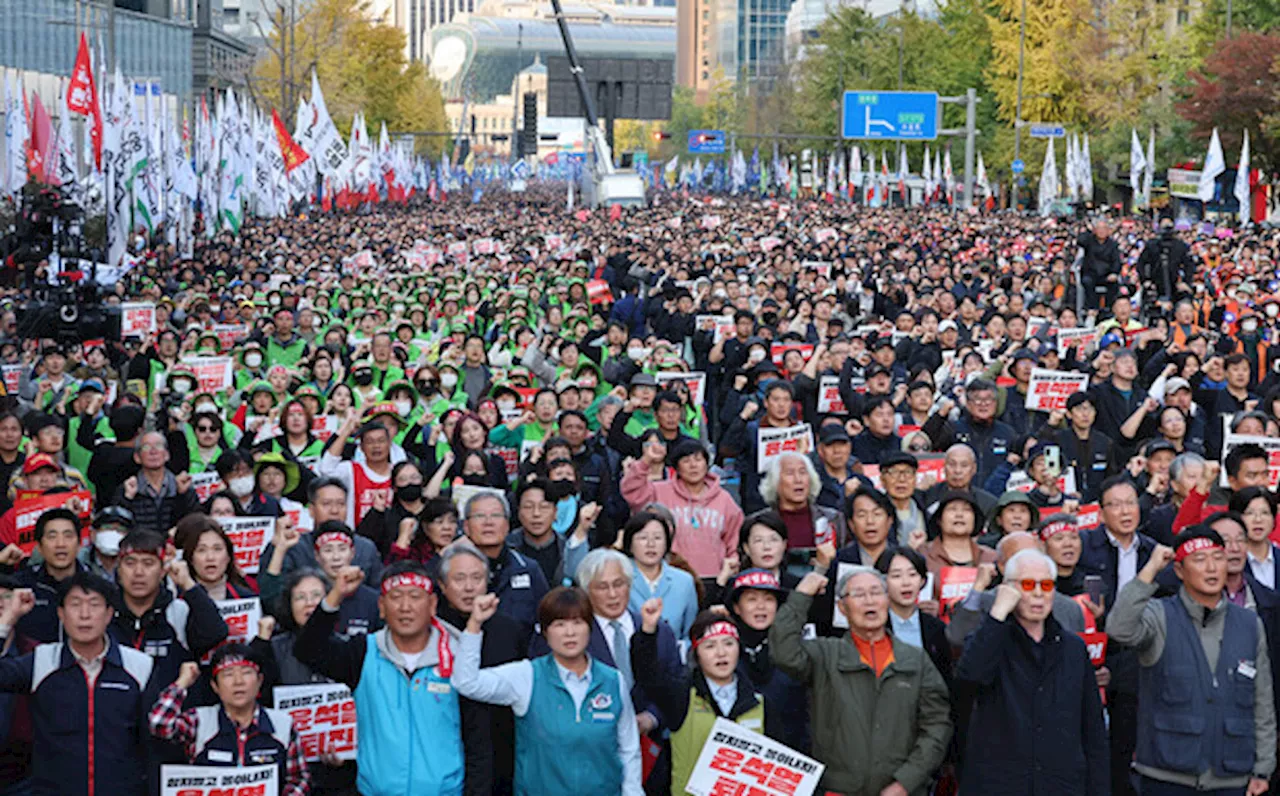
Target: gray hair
(1240,417)
(461,547)
(490,495)
(852,572)
(1030,555)
(595,562)
(769,485)
(1181,461)
(961,447)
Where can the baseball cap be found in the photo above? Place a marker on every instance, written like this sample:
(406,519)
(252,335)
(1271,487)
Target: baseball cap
(759,579)
(38,461)
(894,458)
(1173,385)
(948,326)
(643,380)
(1077,398)
(876,370)
(833,433)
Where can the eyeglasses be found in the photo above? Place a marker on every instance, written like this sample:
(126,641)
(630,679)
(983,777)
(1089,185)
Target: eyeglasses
(150,447)
(1029,585)
(205,428)
(981,401)
(862,595)
(1257,514)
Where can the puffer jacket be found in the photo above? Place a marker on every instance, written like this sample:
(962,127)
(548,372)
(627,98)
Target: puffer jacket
(869,731)
(707,525)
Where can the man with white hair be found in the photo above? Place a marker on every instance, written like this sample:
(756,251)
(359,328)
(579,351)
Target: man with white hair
(881,719)
(516,579)
(605,574)
(1036,702)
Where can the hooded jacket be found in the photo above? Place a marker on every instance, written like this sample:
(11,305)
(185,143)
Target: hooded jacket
(707,525)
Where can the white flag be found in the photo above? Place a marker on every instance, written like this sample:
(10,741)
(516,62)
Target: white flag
(15,137)
(1086,173)
(1242,182)
(320,136)
(981,183)
(1048,180)
(1214,164)
(927,173)
(1073,169)
(1149,173)
(115,138)
(1137,163)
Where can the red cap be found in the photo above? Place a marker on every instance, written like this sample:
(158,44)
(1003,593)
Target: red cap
(34,463)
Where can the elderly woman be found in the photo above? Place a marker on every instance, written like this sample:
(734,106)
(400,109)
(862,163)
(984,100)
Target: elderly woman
(790,487)
(953,524)
(1036,704)
(883,722)
(707,517)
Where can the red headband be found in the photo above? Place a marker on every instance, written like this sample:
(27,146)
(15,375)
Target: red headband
(1055,528)
(234,660)
(333,536)
(749,580)
(410,579)
(1192,546)
(718,629)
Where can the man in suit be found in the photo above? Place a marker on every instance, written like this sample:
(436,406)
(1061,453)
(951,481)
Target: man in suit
(1117,552)
(606,575)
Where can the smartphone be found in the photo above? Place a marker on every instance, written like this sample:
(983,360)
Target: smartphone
(1053,461)
(1093,588)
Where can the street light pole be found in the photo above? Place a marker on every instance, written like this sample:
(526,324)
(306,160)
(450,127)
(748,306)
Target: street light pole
(1229,18)
(515,90)
(1017,113)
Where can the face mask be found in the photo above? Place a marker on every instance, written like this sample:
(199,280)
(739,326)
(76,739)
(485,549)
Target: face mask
(1273,310)
(182,386)
(206,407)
(108,542)
(214,309)
(449,380)
(507,406)
(252,360)
(475,480)
(755,356)
(364,378)
(1249,326)
(242,486)
(274,301)
(409,494)
(403,408)
(635,354)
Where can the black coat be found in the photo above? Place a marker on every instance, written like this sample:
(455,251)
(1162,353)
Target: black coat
(1037,712)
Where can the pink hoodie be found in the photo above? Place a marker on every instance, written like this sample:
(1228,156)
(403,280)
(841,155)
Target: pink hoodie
(707,525)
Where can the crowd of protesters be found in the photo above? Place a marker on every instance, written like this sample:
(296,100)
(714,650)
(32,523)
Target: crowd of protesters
(551,493)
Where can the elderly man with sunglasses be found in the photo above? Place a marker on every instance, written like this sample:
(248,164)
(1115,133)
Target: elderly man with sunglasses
(1036,702)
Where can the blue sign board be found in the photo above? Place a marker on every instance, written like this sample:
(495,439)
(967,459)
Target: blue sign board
(706,142)
(892,115)
(1047,130)
(1017,167)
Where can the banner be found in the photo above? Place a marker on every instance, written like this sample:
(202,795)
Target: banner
(250,535)
(954,584)
(598,292)
(722,327)
(219,781)
(1049,390)
(27,511)
(137,319)
(1084,339)
(1269,444)
(736,760)
(206,484)
(324,716)
(829,400)
(695,380)
(230,333)
(773,442)
(213,374)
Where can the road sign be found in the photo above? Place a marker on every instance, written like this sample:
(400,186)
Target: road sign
(893,115)
(706,142)
(1017,167)
(1047,130)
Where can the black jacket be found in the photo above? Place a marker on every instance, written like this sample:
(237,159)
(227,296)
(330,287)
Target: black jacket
(1166,261)
(1099,557)
(1036,710)
(1114,409)
(1101,258)
(172,632)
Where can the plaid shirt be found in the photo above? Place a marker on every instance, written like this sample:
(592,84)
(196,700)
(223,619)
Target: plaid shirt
(169,722)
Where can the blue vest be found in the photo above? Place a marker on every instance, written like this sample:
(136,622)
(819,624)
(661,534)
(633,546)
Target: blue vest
(560,750)
(410,730)
(1190,719)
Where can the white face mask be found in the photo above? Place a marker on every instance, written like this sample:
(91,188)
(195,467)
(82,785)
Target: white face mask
(252,360)
(206,408)
(182,386)
(108,542)
(755,356)
(449,380)
(403,408)
(635,354)
(506,406)
(1273,310)
(1249,326)
(242,486)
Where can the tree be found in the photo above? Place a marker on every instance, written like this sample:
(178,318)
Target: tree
(1051,87)
(1235,91)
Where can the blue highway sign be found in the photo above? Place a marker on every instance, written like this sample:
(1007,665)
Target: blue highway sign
(892,115)
(706,142)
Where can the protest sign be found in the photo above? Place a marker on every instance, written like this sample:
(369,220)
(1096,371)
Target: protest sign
(484,246)
(137,318)
(773,442)
(1022,482)
(462,494)
(598,291)
(206,484)
(1084,339)
(770,243)
(829,400)
(213,374)
(1087,516)
(709,221)
(722,326)
(1270,445)
(230,333)
(249,535)
(324,426)
(219,780)
(12,378)
(695,380)
(241,617)
(736,759)
(779,350)
(954,584)
(324,715)
(1049,390)
(825,234)
(1096,643)
(928,466)
(510,459)
(28,508)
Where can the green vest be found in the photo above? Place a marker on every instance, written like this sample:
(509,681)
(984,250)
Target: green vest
(287,355)
(687,742)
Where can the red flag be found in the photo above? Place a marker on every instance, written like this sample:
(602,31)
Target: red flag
(294,155)
(41,139)
(82,97)
(615,212)
(373,194)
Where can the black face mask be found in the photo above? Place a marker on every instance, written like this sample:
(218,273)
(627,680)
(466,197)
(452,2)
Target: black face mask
(364,379)
(770,318)
(409,493)
(559,490)
(475,480)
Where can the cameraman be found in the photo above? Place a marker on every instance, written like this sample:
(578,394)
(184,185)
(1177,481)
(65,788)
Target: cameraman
(1167,267)
(1100,271)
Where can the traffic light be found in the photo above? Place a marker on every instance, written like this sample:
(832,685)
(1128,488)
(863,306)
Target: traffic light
(529,134)
(661,135)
